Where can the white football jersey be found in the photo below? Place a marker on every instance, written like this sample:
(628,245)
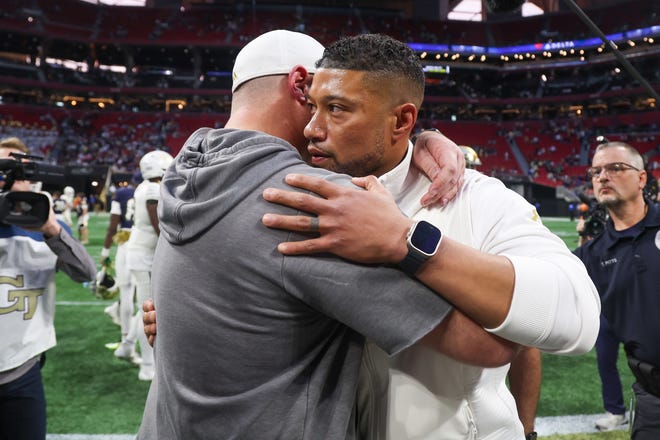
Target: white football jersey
(143,235)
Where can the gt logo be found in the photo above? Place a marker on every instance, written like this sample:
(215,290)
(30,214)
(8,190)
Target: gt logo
(24,300)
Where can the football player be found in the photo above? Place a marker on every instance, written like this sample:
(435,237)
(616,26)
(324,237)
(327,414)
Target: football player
(142,244)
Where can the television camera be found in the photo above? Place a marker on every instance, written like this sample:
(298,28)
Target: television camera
(26,208)
(594,221)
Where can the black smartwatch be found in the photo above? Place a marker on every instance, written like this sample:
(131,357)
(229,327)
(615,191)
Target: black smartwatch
(423,241)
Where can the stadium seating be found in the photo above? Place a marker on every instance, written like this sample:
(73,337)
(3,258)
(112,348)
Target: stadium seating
(184,55)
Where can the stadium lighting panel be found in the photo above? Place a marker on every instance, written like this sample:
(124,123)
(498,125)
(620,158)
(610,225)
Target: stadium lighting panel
(118,2)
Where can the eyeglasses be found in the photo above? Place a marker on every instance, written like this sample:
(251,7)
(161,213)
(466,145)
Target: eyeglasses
(611,169)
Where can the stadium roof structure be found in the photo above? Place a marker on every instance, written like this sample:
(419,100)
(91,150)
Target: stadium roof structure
(470,10)
(170,58)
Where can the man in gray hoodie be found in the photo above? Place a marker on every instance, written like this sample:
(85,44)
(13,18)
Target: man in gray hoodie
(252,344)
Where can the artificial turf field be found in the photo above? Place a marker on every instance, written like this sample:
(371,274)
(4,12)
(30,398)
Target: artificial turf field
(89,391)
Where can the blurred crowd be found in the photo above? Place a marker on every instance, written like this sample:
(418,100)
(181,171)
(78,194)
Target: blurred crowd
(551,151)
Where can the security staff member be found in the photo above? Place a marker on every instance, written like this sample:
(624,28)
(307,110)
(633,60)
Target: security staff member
(623,262)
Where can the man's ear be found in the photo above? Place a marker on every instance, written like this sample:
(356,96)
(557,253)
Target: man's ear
(406,117)
(643,177)
(299,80)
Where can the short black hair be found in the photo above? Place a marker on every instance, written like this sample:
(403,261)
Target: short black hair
(379,54)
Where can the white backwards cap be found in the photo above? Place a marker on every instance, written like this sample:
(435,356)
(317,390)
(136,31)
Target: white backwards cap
(275,53)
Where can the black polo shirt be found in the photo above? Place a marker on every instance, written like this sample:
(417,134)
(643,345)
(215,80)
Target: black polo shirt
(625,267)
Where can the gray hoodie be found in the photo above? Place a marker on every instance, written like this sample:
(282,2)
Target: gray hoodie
(252,344)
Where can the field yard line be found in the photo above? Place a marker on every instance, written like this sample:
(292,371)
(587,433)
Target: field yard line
(559,219)
(82,303)
(565,233)
(585,423)
(544,426)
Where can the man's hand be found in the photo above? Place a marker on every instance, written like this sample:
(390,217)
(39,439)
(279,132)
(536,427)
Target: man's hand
(362,226)
(106,261)
(443,162)
(149,321)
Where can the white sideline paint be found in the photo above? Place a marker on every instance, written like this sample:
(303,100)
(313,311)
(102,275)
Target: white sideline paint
(90,437)
(544,426)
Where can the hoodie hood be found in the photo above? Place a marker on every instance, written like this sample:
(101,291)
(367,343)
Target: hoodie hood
(209,177)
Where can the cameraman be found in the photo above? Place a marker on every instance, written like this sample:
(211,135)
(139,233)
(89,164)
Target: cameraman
(28,262)
(623,262)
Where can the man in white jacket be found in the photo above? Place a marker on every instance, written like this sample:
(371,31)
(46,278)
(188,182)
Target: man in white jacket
(493,258)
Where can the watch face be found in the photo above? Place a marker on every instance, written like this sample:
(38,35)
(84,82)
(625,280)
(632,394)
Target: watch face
(426,237)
